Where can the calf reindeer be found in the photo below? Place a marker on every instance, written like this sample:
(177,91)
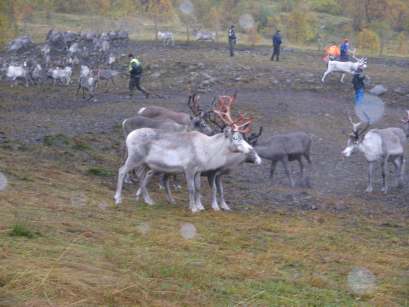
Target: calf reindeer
(384,145)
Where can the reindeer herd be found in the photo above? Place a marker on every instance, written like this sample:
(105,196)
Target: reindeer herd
(57,58)
(211,143)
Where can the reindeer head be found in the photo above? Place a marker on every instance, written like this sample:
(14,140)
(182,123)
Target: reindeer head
(198,116)
(355,138)
(235,129)
(406,122)
(252,139)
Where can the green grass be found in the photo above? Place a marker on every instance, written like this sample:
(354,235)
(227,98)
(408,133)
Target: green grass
(101,172)
(99,255)
(20,230)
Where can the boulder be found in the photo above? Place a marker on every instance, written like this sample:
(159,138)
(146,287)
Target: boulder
(20,44)
(378,90)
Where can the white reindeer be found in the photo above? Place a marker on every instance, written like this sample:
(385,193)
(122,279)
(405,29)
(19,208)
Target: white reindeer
(205,36)
(384,145)
(344,67)
(61,74)
(166,38)
(15,72)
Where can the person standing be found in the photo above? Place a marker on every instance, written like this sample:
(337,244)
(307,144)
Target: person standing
(276,46)
(232,39)
(135,75)
(359,85)
(344,51)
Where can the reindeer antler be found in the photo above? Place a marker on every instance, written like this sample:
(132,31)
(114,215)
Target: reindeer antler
(223,110)
(193,104)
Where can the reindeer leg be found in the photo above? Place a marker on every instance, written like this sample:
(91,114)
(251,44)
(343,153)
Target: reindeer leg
(284,161)
(162,180)
(272,170)
(191,188)
(402,171)
(301,169)
(212,183)
(198,196)
(176,183)
(169,195)
(219,185)
(144,183)
(342,77)
(371,165)
(324,76)
(130,163)
(384,165)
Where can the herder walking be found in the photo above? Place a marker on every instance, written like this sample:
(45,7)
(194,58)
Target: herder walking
(135,75)
(276,46)
(232,39)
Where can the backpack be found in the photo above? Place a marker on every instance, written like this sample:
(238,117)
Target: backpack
(136,69)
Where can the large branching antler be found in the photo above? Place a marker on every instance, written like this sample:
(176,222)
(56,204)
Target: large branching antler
(223,111)
(193,104)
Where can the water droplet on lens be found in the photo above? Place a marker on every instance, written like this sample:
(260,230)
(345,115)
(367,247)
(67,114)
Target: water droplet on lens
(3,182)
(361,281)
(188,231)
(143,228)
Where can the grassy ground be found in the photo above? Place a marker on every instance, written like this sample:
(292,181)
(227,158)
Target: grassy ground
(63,243)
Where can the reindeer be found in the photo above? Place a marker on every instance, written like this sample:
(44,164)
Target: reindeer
(87,82)
(107,75)
(15,72)
(187,152)
(195,121)
(283,148)
(205,36)
(222,110)
(62,74)
(166,38)
(344,67)
(384,145)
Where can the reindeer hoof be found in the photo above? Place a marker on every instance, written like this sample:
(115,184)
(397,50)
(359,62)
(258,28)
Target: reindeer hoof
(369,190)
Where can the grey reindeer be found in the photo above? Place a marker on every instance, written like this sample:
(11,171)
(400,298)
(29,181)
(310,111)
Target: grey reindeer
(284,148)
(187,152)
(214,176)
(163,118)
(383,145)
(87,82)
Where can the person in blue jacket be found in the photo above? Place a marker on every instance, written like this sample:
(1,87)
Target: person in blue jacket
(344,49)
(276,46)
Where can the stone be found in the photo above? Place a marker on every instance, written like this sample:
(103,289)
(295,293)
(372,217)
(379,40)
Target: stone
(378,90)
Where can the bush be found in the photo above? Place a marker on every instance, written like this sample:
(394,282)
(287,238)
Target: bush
(19,230)
(300,25)
(368,40)
(326,6)
(403,45)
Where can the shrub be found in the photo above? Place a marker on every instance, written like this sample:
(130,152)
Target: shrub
(368,40)
(20,230)
(326,6)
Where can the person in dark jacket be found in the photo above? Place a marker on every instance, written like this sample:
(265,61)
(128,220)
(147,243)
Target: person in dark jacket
(135,75)
(232,39)
(359,85)
(276,46)
(344,51)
